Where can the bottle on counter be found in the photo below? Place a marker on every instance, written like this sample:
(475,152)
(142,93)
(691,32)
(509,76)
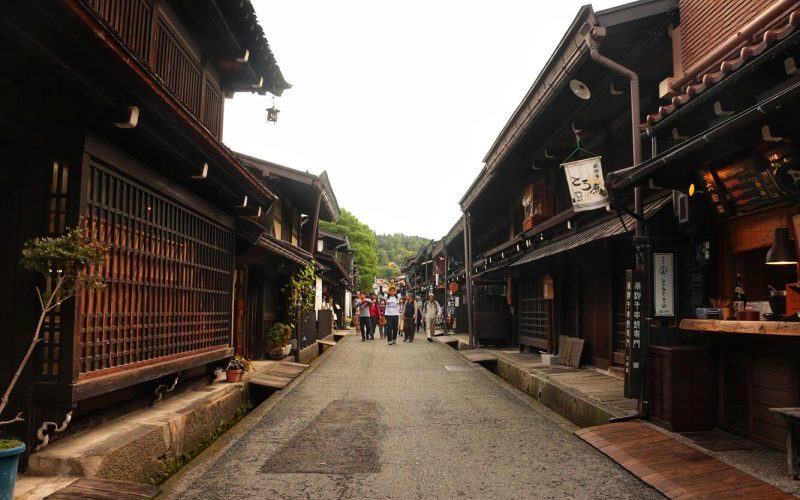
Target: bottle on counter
(739,297)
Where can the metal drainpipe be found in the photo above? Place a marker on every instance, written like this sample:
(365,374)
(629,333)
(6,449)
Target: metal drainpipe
(598,32)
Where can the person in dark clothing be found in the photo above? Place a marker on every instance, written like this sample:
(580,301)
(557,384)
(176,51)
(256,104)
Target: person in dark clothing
(365,321)
(409,311)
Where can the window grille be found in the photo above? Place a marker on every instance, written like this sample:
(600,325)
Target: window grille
(168,278)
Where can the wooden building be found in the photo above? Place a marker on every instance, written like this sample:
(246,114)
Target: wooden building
(539,266)
(274,246)
(728,125)
(112,119)
(336,254)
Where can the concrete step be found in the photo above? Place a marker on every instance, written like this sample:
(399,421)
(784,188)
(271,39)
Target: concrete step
(137,446)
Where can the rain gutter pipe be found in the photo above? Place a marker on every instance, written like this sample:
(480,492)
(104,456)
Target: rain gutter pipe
(642,261)
(598,32)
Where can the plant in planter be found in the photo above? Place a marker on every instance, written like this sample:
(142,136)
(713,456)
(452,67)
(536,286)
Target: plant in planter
(236,368)
(279,338)
(67,263)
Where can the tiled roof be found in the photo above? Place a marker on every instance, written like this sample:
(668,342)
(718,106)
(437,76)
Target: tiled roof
(713,76)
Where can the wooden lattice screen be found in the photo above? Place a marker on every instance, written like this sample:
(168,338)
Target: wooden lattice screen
(168,278)
(131,20)
(177,69)
(212,109)
(534,309)
(56,225)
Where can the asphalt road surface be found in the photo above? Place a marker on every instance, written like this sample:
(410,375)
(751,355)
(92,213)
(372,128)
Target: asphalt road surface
(375,421)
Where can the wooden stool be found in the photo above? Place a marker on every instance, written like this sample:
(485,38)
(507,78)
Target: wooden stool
(792,417)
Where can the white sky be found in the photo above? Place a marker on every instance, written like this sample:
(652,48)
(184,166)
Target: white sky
(398,101)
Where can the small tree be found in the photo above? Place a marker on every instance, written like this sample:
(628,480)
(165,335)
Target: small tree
(67,264)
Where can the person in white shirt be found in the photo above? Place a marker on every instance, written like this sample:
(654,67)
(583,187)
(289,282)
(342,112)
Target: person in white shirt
(430,311)
(392,314)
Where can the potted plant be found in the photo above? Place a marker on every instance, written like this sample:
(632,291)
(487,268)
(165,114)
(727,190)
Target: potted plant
(279,339)
(236,368)
(66,263)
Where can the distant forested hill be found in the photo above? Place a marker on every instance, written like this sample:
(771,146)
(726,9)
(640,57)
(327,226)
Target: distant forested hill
(393,250)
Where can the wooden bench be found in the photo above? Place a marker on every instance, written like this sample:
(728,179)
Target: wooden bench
(792,417)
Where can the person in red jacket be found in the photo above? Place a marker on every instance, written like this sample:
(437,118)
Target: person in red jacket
(376,314)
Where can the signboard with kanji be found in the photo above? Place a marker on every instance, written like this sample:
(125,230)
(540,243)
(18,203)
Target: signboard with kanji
(634,326)
(586,184)
(664,284)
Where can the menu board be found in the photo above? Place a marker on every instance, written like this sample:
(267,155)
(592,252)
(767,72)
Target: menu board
(747,188)
(714,193)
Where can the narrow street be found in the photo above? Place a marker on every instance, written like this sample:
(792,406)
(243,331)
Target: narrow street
(404,421)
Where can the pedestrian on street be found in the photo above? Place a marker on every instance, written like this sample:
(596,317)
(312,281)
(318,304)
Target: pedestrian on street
(402,299)
(392,316)
(431,311)
(409,311)
(417,317)
(365,321)
(382,319)
(375,315)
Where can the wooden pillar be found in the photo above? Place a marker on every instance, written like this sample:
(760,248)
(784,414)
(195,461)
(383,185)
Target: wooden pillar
(310,238)
(468,276)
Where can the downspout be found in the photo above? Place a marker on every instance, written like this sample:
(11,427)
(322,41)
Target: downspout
(468,274)
(598,32)
(592,39)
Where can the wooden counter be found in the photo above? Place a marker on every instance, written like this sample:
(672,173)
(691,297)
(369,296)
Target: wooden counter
(781,328)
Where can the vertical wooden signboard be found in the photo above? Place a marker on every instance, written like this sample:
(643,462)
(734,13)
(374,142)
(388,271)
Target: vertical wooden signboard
(634,320)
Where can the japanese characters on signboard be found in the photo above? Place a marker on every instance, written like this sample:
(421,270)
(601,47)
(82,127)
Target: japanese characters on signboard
(664,284)
(634,320)
(586,184)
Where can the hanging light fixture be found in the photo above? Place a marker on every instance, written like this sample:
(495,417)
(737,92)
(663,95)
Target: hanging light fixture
(782,251)
(272,112)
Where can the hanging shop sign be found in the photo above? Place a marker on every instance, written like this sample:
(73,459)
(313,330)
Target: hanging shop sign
(634,322)
(453,286)
(586,184)
(664,284)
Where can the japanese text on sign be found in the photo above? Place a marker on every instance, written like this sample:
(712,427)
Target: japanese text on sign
(664,285)
(586,184)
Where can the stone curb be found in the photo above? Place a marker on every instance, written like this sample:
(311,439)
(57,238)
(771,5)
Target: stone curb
(248,422)
(564,401)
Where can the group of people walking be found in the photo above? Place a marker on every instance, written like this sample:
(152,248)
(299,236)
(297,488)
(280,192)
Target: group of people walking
(395,315)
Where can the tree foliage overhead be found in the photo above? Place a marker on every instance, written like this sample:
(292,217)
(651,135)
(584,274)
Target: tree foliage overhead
(362,239)
(393,249)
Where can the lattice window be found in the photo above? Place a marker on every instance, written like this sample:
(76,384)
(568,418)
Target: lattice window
(212,109)
(177,69)
(56,224)
(168,278)
(130,19)
(534,309)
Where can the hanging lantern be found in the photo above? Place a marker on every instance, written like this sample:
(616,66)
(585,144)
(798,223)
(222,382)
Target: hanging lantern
(272,114)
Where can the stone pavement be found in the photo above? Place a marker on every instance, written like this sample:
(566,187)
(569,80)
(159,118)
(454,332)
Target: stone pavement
(404,421)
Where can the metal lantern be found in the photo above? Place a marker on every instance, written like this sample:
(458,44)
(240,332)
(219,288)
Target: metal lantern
(272,113)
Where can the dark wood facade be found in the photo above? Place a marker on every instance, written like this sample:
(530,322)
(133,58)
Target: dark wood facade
(552,270)
(161,192)
(721,232)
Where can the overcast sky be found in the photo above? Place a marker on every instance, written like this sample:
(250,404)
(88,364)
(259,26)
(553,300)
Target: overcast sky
(398,101)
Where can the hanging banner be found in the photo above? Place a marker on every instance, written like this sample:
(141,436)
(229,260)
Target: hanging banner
(586,184)
(664,284)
